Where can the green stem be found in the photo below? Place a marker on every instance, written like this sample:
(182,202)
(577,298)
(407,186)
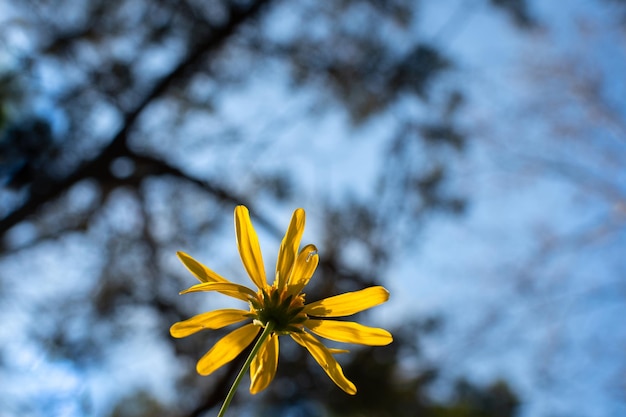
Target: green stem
(231,393)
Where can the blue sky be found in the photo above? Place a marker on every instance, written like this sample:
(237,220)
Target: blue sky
(530,283)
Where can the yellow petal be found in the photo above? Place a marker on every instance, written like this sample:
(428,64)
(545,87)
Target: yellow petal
(289,247)
(336,351)
(264,364)
(211,320)
(249,248)
(228,288)
(200,271)
(326,360)
(227,348)
(348,303)
(303,270)
(349,332)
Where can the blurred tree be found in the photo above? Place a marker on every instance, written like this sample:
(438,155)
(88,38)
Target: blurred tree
(561,147)
(152,140)
(518,10)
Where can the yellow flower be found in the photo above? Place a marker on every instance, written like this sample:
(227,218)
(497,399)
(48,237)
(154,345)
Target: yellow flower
(282,304)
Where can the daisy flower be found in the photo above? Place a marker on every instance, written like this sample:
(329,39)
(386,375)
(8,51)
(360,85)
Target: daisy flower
(278,309)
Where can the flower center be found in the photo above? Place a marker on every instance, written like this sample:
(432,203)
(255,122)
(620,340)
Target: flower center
(282,309)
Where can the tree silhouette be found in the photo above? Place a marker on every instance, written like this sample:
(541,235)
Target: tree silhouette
(136,95)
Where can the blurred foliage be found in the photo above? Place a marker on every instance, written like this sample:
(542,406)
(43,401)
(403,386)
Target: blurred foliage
(141,404)
(111,164)
(27,149)
(518,10)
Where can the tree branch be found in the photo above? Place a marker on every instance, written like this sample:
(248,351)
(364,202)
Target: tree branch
(118,145)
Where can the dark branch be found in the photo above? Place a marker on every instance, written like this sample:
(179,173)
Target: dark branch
(155,166)
(118,145)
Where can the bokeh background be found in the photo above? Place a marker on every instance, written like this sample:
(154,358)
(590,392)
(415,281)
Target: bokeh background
(469,155)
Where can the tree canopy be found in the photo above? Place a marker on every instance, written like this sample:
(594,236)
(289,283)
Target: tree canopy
(130,129)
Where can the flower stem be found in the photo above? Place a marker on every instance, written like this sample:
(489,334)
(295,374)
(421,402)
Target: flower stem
(231,393)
